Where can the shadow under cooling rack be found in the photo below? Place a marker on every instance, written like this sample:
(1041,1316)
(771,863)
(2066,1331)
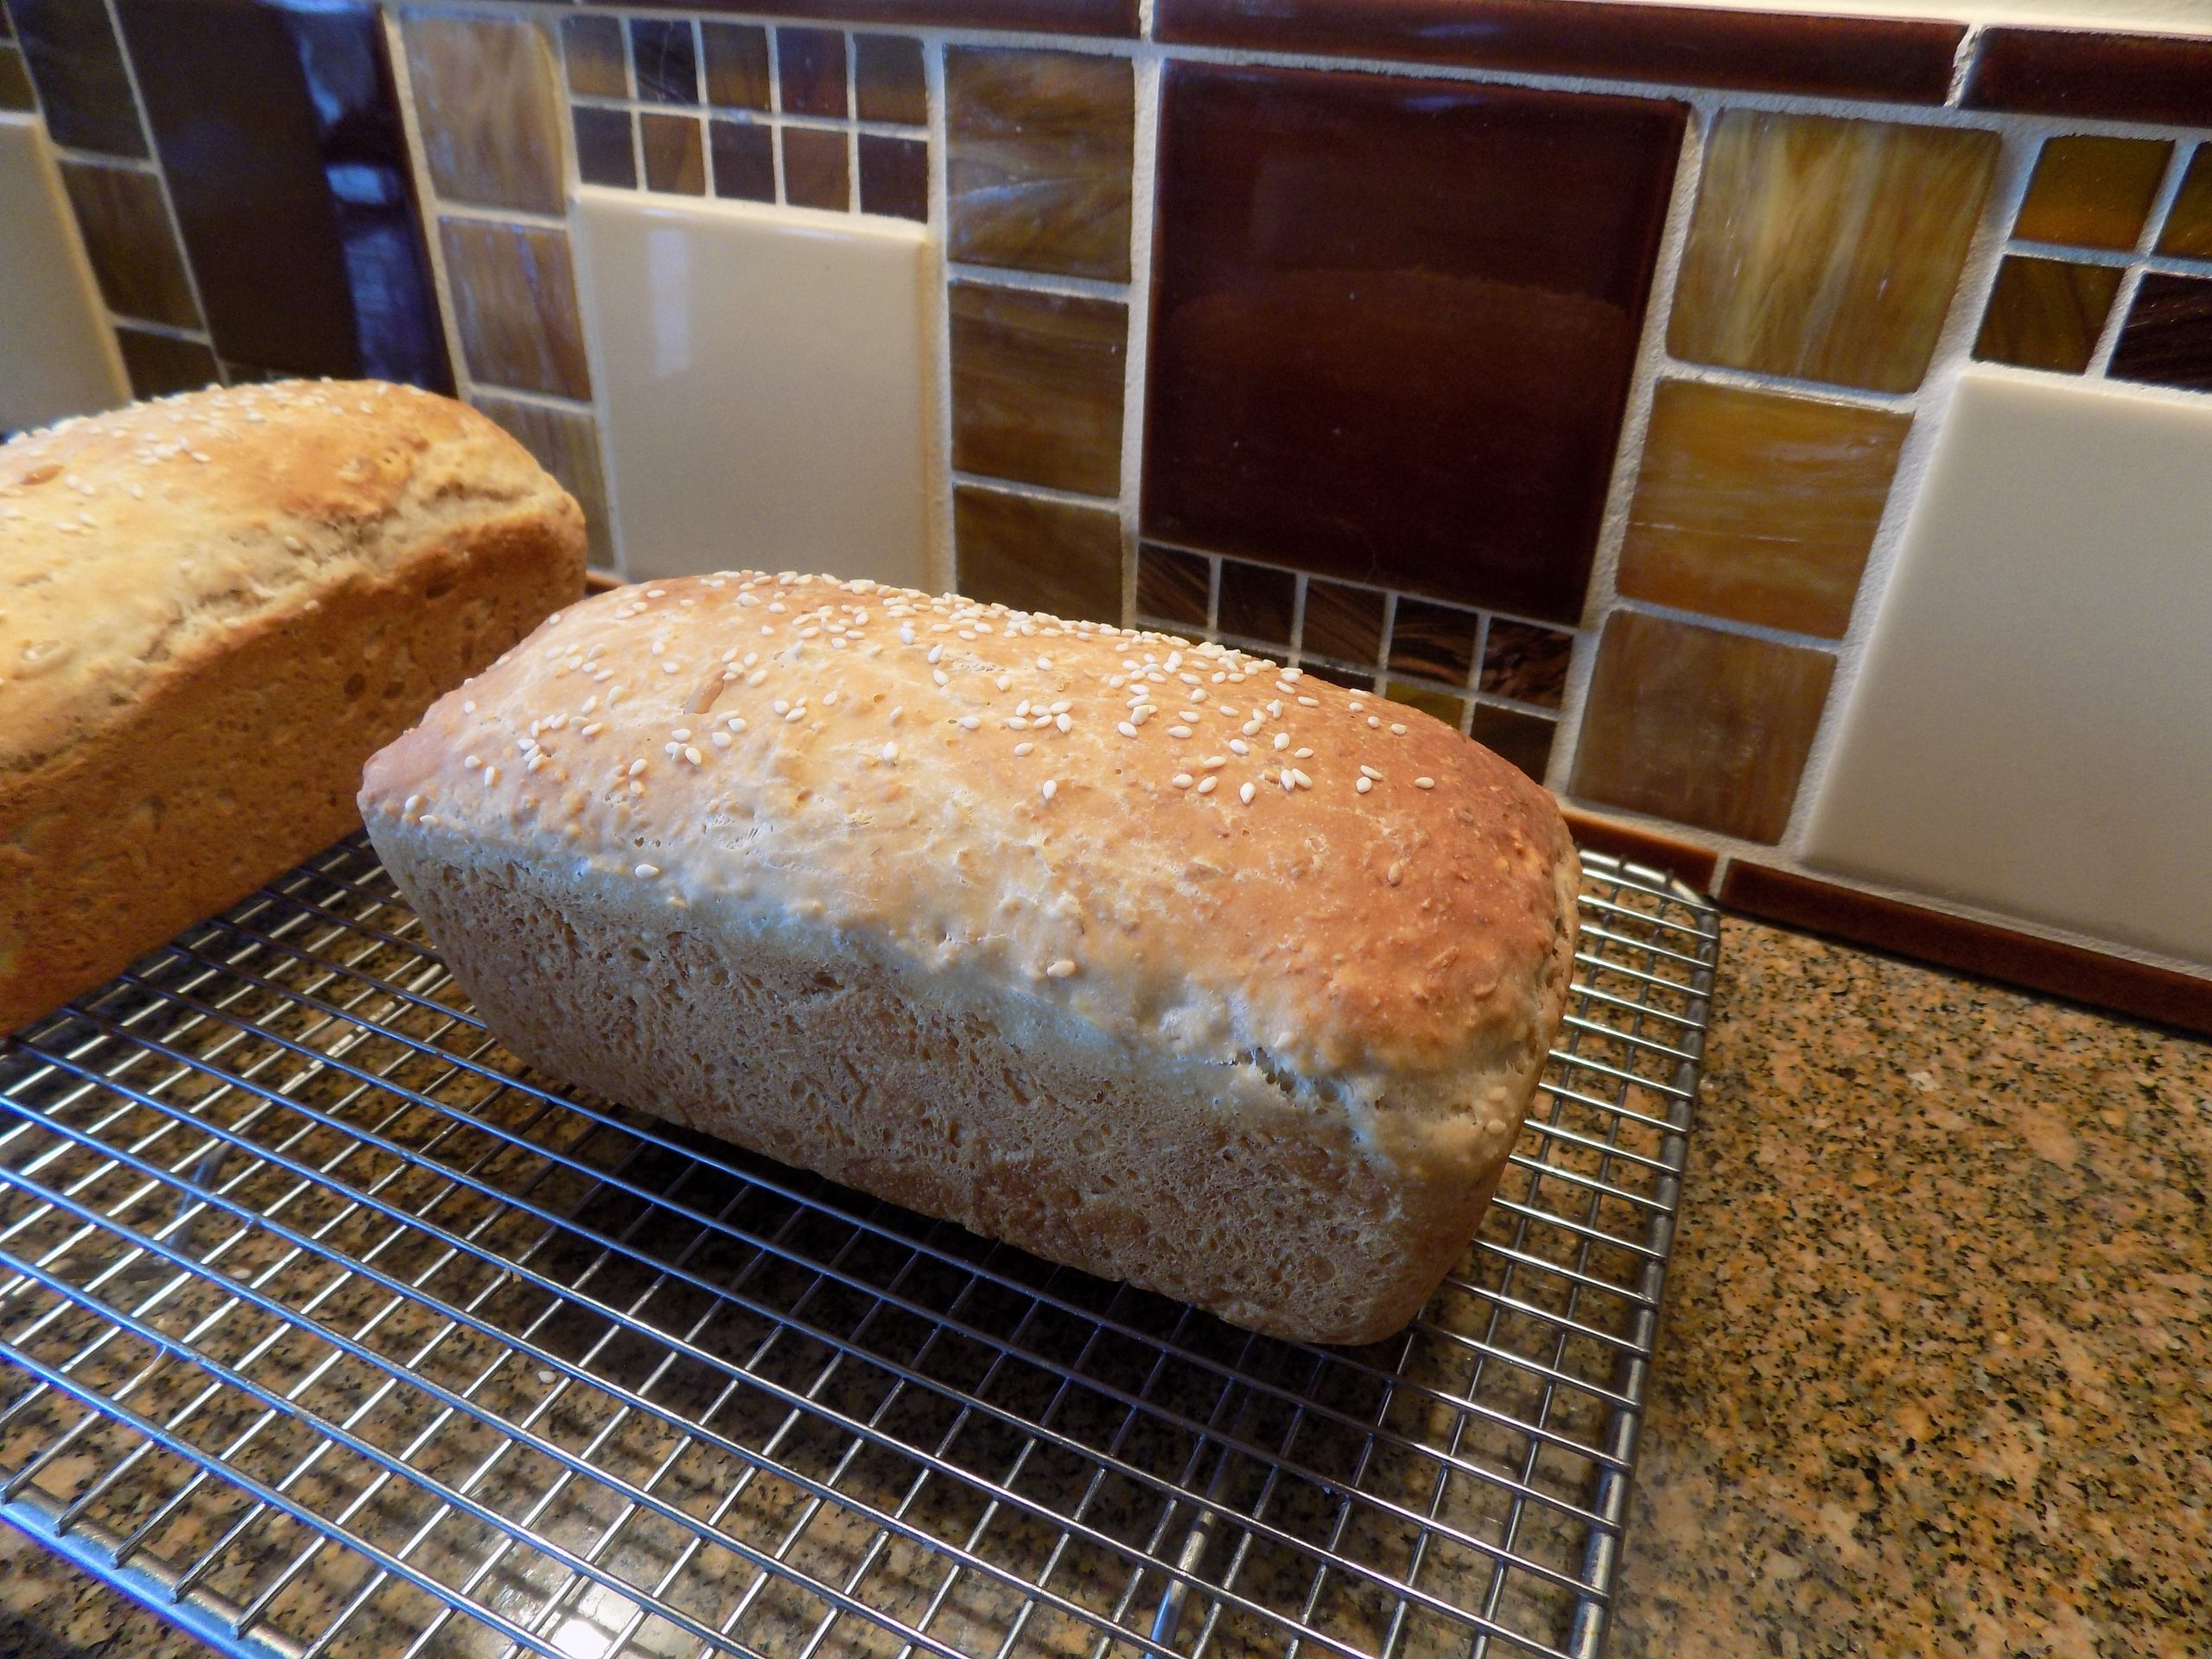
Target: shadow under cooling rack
(325,1328)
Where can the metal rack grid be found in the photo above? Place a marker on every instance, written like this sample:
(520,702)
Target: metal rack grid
(326,1330)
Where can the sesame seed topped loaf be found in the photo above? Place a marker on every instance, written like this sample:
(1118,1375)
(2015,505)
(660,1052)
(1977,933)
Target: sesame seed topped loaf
(212,609)
(1152,957)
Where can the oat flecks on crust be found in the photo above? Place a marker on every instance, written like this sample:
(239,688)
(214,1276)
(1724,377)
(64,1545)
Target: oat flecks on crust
(1172,836)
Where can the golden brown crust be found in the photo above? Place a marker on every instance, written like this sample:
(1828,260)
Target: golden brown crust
(199,724)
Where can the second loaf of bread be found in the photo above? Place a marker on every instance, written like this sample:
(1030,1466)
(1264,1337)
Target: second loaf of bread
(1154,959)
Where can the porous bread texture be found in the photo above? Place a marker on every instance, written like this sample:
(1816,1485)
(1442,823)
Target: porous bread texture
(929,896)
(212,609)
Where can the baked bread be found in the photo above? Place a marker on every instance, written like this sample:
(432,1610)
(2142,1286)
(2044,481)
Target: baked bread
(213,610)
(1149,957)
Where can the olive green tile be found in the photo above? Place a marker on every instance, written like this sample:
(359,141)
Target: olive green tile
(1039,150)
(674,150)
(887,80)
(737,65)
(599,64)
(2092,192)
(134,252)
(2046,314)
(161,363)
(14,80)
(488,107)
(514,298)
(1439,705)
(1038,555)
(1037,385)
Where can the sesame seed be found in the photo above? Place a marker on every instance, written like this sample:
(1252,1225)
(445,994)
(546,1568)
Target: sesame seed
(469,763)
(1063,723)
(1245,794)
(1252,727)
(1396,730)
(636,767)
(968,723)
(1282,739)
(1207,783)
(593,729)
(1240,746)
(936,653)
(1062,706)
(1370,772)
(691,754)
(1049,788)
(889,752)
(1300,778)
(647,872)
(1060,969)
(1125,729)
(1005,683)
(940,677)
(536,760)
(720,740)
(468,705)
(637,788)
(1178,731)
(1424,783)
(1181,780)
(1021,749)
(672,666)
(756,676)
(1288,779)
(430,820)
(1216,762)
(1373,720)
(1301,754)
(799,713)
(412,803)
(781,705)
(1309,702)
(491,776)
(906,634)
(681,734)
(1365,784)
(1045,662)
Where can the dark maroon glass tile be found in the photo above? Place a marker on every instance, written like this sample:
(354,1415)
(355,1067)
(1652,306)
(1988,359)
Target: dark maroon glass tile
(161,363)
(1028,17)
(1394,323)
(815,173)
(605,154)
(1525,740)
(14,81)
(1256,602)
(1038,555)
(1526,663)
(666,57)
(1437,640)
(78,66)
(745,164)
(2167,338)
(1894,59)
(1173,586)
(810,65)
(280,137)
(1343,622)
(2151,78)
(887,80)
(737,65)
(895,176)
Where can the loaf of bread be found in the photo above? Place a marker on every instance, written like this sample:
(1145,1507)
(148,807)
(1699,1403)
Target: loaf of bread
(213,610)
(1150,957)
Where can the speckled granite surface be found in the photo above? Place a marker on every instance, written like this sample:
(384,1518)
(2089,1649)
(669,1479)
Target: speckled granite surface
(1938,1371)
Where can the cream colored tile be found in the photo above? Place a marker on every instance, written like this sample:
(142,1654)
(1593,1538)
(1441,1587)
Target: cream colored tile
(2029,730)
(56,355)
(765,380)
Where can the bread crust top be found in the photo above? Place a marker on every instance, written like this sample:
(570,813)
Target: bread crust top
(1018,800)
(133,543)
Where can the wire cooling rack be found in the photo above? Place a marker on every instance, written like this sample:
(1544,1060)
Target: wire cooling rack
(326,1329)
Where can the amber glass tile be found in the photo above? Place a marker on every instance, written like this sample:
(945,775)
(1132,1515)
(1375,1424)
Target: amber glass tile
(1038,555)
(566,443)
(125,225)
(514,295)
(737,65)
(1037,383)
(2188,223)
(814,169)
(1452,710)
(1758,506)
(887,80)
(1173,587)
(1523,739)
(161,363)
(605,154)
(78,66)
(14,80)
(2092,192)
(745,162)
(1038,163)
(1701,726)
(1394,324)
(1256,602)
(811,71)
(598,66)
(1343,622)
(1827,250)
(666,57)
(2046,314)
(895,176)
(1435,640)
(1526,663)
(675,157)
(487,108)
(2167,338)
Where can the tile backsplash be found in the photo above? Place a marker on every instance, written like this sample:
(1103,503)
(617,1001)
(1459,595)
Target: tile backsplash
(1571,370)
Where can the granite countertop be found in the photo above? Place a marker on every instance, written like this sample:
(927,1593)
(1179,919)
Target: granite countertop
(1937,1369)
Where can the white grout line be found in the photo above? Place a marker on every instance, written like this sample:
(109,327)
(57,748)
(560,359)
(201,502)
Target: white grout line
(942,557)
(1034,492)
(1136,355)
(166,330)
(426,203)
(1074,287)
(2123,299)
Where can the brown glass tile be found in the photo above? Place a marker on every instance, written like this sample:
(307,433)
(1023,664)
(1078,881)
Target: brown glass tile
(1526,663)
(159,364)
(1827,250)
(1343,622)
(676,159)
(887,80)
(14,80)
(598,65)
(1038,555)
(566,443)
(895,176)
(1631,842)
(1093,17)
(77,63)
(737,65)
(1037,168)
(1173,587)
(1394,322)
(811,71)
(486,108)
(2046,965)
(1256,602)
(1895,60)
(126,229)
(605,154)
(1523,739)
(1037,383)
(745,162)
(2167,338)
(814,173)
(1436,641)
(2163,79)
(1701,726)
(514,297)
(1756,507)
(2091,191)
(665,57)
(1452,711)
(2046,314)
(2189,222)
